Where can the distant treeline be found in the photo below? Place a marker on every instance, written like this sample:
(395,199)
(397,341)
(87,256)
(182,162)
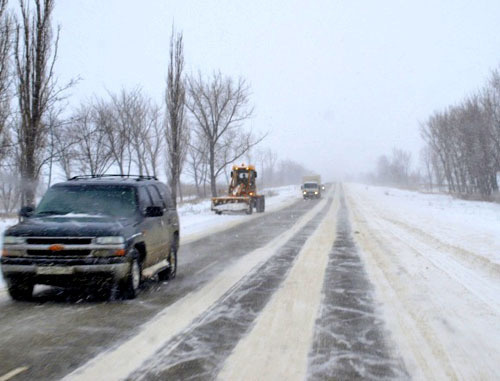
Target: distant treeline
(462,149)
(463,143)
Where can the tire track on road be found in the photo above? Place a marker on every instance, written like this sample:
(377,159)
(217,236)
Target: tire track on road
(199,353)
(277,346)
(350,340)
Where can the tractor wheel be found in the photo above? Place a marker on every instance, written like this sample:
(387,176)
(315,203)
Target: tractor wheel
(260,204)
(250,208)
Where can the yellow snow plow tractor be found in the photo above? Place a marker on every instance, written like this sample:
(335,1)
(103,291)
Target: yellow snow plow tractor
(242,193)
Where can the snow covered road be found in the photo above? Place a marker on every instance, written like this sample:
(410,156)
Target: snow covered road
(367,283)
(435,265)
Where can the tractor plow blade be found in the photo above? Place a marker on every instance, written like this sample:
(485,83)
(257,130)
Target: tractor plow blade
(230,204)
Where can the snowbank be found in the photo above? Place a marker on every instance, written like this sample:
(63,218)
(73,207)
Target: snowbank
(471,225)
(198,220)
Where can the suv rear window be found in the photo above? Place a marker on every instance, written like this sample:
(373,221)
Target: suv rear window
(116,201)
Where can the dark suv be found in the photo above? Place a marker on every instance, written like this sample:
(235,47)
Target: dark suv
(106,231)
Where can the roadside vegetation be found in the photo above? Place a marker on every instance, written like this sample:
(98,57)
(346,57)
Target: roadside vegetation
(461,155)
(191,138)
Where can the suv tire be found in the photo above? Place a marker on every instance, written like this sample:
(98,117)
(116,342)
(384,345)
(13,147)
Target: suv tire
(170,272)
(21,291)
(130,287)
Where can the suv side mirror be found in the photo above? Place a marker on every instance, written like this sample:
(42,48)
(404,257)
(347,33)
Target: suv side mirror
(154,211)
(302,187)
(26,211)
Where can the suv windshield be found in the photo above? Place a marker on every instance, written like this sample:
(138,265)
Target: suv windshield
(116,201)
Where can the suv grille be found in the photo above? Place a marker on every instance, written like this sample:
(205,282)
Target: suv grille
(62,253)
(60,240)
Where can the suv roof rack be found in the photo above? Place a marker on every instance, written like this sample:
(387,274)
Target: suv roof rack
(136,177)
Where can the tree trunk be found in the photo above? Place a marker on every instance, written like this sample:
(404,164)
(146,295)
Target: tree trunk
(213,178)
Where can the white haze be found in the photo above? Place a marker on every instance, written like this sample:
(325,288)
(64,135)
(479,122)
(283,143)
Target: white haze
(336,83)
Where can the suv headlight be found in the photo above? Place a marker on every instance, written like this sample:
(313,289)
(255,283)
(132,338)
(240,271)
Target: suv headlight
(112,240)
(13,240)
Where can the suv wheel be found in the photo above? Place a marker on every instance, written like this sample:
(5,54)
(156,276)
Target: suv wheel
(21,291)
(170,272)
(130,287)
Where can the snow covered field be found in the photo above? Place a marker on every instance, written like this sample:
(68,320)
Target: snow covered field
(435,262)
(198,221)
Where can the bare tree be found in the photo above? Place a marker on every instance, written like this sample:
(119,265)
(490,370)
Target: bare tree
(53,124)
(133,112)
(176,131)
(464,139)
(400,166)
(197,164)
(68,143)
(10,182)
(219,108)
(291,172)
(35,53)
(117,128)
(6,29)
(268,160)
(395,169)
(153,141)
(91,153)
(133,131)
(426,156)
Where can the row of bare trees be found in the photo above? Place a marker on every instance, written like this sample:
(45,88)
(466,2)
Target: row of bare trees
(198,131)
(463,143)
(395,169)
(124,131)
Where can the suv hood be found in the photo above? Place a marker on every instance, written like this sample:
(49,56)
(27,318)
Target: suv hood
(71,225)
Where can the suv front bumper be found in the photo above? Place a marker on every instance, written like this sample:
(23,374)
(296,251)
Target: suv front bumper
(65,271)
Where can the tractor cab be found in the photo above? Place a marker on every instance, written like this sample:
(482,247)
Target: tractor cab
(242,180)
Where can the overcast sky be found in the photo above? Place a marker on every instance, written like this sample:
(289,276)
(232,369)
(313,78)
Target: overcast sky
(336,83)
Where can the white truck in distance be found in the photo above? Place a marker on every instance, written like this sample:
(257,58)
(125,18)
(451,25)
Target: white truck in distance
(311,186)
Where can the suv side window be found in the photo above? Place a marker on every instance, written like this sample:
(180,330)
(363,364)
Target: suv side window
(144,198)
(157,200)
(165,195)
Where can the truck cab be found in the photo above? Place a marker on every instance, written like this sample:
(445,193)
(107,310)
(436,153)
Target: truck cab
(311,190)
(311,187)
